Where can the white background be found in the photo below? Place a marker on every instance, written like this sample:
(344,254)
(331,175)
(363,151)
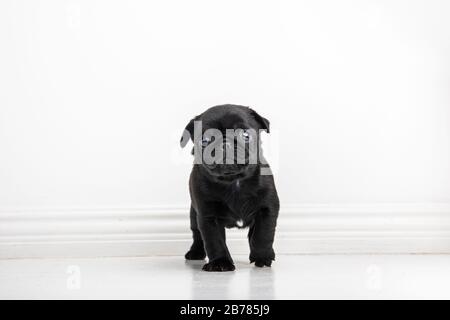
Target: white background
(94,96)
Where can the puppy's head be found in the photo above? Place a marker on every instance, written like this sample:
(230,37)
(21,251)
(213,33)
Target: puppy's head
(226,140)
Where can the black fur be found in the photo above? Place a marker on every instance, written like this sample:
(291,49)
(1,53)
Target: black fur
(219,200)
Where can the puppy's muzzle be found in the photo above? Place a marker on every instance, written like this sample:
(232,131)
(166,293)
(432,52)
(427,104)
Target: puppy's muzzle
(233,161)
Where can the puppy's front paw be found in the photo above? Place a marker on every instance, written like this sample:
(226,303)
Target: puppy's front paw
(195,254)
(261,262)
(221,264)
(264,259)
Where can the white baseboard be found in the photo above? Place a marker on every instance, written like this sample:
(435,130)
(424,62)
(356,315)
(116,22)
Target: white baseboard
(164,230)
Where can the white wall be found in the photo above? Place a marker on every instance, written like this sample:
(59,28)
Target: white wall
(94,95)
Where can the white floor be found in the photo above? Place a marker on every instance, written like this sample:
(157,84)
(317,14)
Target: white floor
(291,277)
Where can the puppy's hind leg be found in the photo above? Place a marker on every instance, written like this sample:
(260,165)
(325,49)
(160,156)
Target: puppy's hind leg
(197,251)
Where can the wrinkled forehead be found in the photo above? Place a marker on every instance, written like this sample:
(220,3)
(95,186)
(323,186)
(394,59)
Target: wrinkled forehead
(228,121)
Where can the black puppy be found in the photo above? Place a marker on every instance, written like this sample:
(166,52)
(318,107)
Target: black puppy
(224,194)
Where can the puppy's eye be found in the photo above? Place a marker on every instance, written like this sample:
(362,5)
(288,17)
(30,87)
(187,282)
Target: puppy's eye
(205,141)
(246,136)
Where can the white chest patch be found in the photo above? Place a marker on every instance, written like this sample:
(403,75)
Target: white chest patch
(239,223)
(237,185)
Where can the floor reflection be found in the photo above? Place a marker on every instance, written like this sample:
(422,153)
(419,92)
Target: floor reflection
(247,282)
(209,285)
(261,283)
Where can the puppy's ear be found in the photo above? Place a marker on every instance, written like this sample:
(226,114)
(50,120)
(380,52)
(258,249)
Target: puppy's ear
(263,122)
(188,132)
